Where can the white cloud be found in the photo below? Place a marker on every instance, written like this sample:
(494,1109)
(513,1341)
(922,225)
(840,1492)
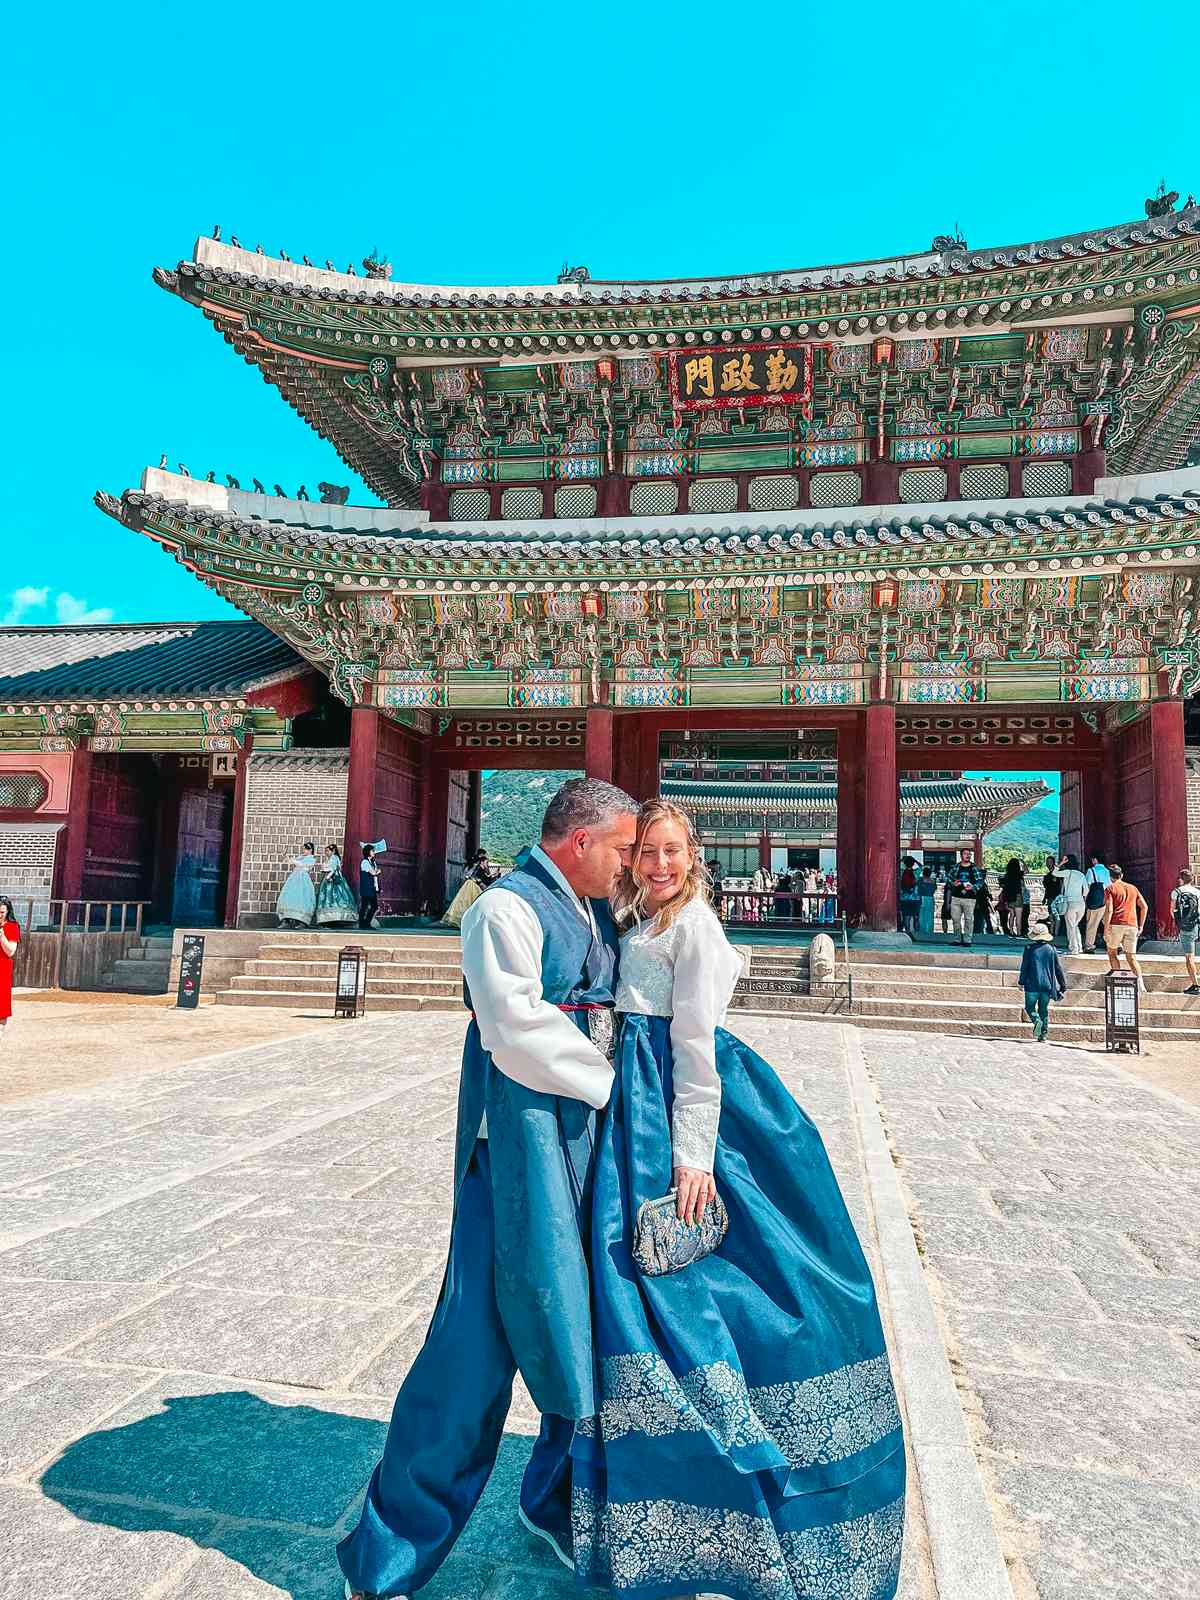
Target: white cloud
(70,610)
(22,601)
(31,606)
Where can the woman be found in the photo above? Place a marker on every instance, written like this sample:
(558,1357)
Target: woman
(910,897)
(984,922)
(298,899)
(336,905)
(747,1438)
(1042,979)
(927,890)
(480,873)
(10,938)
(1051,889)
(368,887)
(1074,902)
(1012,898)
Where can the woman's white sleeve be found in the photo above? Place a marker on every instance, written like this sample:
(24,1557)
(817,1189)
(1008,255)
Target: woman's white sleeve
(529,1039)
(706,969)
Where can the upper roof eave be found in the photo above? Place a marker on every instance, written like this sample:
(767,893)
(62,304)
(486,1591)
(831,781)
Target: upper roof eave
(212,255)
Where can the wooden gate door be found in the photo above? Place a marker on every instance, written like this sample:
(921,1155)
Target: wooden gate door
(203,858)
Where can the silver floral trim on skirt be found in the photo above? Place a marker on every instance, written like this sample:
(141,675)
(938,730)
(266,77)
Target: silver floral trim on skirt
(626,1546)
(817,1420)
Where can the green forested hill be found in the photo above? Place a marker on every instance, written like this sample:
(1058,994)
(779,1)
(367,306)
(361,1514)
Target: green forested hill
(513,804)
(1029,837)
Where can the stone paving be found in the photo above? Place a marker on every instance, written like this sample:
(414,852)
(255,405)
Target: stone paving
(1055,1202)
(213,1278)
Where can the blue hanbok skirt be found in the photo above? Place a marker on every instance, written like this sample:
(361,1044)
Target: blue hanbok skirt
(297,899)
(748,1439)
(336,904)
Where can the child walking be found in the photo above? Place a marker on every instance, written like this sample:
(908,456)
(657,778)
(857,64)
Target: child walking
(1042,979)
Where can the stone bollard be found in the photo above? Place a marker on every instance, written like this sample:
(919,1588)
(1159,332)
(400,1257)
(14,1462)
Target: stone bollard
(821,960)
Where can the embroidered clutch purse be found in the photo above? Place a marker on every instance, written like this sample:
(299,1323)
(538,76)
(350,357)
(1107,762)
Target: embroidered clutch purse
(662,1243)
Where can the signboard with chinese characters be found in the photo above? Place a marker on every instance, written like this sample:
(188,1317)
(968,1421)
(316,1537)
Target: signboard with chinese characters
(224,766)
(752,375)
(191,965)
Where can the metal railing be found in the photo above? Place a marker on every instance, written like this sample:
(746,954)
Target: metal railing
(767,908)
(849,970)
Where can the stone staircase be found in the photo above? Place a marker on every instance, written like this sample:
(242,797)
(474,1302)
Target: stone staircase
(144,969)
(413,973)
(952,991)
(946,991)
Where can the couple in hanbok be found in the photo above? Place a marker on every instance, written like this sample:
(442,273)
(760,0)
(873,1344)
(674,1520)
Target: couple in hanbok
(727,1428)
(301,904)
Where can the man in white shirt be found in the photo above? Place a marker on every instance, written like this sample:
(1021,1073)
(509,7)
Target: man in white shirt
(539,964)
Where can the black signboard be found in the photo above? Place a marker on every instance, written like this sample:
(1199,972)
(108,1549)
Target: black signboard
(190,968)
(754,375)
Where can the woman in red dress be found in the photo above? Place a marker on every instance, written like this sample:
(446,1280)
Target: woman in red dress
(10,938)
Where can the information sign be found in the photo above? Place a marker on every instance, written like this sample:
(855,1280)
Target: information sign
(190,967)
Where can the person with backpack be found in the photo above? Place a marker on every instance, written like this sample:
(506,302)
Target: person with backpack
(910,898)
(1185,908)
(1042,978)
(1097,878)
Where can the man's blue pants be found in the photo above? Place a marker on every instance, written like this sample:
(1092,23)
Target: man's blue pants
(448,1421)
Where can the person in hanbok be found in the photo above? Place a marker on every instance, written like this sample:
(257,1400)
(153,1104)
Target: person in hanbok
(336,905)
(480,876)
(298,898)
(746,1438)
(539,963)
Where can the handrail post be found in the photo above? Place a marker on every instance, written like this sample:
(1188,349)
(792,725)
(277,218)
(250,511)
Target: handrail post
(846,956)
(137,927)
(58,943)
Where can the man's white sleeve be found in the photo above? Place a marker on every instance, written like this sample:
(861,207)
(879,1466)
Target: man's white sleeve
(529,1039)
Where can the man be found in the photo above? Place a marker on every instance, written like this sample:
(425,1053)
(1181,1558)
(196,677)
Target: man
(1097,879)
(965,883)
(1125,913)
(539,967)
(1185,908)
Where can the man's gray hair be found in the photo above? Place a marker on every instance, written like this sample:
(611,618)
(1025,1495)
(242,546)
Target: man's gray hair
(585,803)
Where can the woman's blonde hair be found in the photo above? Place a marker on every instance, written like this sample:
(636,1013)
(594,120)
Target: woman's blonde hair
(629,899)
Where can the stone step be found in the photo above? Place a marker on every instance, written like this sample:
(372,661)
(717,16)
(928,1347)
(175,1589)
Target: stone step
(138,977)
(377,954)
(322,1000)
(326,971)
(1060,1033)
(336,938)
(997,986)
(303,984)
(946,1014)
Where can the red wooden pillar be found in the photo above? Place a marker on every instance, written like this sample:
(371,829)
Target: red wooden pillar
(598,744)
(1108,844)
(237,833)
(73,860)
(977,846)
(360,785)
(881,818)
(849,820)
(1170,807)
(647,770)
(764,847)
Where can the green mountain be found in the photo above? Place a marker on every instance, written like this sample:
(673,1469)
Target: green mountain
(512,807)
(1028,837)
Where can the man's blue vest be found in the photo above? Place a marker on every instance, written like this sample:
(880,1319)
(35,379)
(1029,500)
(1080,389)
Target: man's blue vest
(541,1153)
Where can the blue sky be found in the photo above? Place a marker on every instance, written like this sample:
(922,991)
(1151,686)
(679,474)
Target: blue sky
(490,144)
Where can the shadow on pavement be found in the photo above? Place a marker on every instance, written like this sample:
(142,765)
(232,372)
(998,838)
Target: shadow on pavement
(266,1484)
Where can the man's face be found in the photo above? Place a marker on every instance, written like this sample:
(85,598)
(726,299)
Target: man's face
(966,858)
(598,856)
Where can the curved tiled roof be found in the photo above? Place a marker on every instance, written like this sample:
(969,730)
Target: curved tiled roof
(228,263)
(913,792)
(113,661)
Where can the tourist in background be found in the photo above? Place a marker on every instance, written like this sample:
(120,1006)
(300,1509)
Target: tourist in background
(1125,912)
(335,898)
(829,903)
(783,896)
(1051,889)
(985,921)
(716,876)
(1185,908)
(10,938)
(927,890)
(1097,879)
(1073,897)
(480,876)
(368,887)
(964,887)
(1042,979)
(910,897)
(1012,898)
(298,898)
(947,911)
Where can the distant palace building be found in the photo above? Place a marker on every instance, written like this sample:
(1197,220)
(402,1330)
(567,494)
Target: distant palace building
(934,510)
